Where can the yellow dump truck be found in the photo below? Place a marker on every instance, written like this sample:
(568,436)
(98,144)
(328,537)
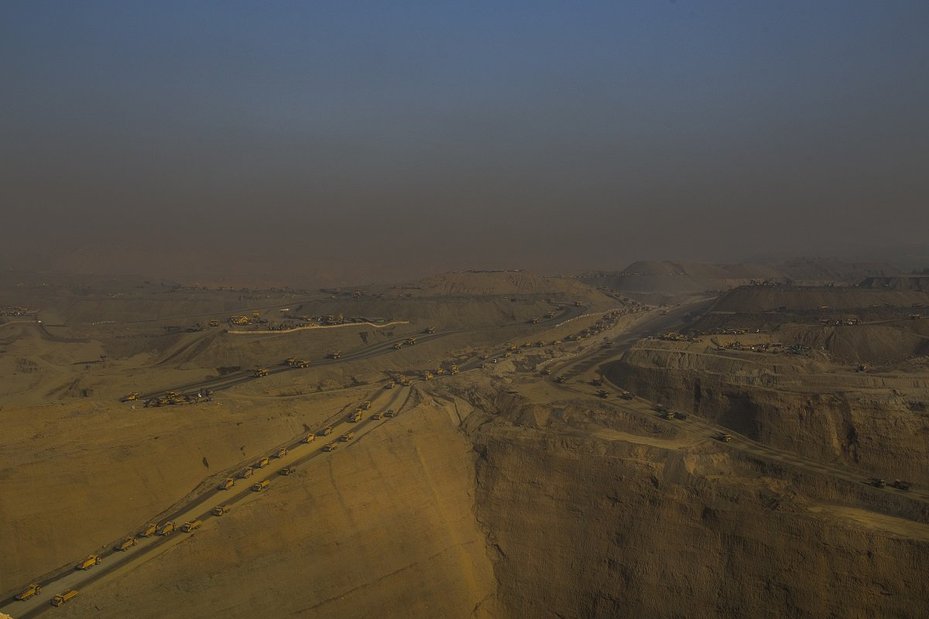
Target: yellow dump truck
(88,563)
(355,417)
(263,462)
(126,544)
(219,510)
(261,486)
(150,529)
(309,438)
(329,447)
(190,525)
(366,405)
(287,470)
(261,372)
(326,431)
(390,413)
(226,483)
(30,591)
(167,528)
(131,397)
(281,452)
(347,437)
(61,598)
(246,472)
(376,416)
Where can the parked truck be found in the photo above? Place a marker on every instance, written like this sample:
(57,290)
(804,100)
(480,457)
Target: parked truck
(167,528)
(88,563)
(61,598)
(126,544)
(190,525)
(30,591)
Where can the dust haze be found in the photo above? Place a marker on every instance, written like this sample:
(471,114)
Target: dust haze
(478,311)
(381,144)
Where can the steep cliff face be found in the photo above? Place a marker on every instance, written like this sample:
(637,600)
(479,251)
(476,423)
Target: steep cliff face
(590,527)
(873,423)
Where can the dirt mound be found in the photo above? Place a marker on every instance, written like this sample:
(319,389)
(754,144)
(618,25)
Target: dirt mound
(825,270)
(489,283)
(753,299)
(908,282)
(673,278)
(870,344)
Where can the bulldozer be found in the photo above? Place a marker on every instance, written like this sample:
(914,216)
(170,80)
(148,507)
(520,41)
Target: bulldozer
(398,346)
(410,341)
(239,321)
(453,370)
(261,372)
(603,393)
(131,397)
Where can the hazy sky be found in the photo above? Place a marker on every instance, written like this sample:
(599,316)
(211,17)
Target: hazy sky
(392,137)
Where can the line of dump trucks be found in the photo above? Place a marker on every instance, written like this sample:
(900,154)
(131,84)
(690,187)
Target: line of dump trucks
(168,527)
